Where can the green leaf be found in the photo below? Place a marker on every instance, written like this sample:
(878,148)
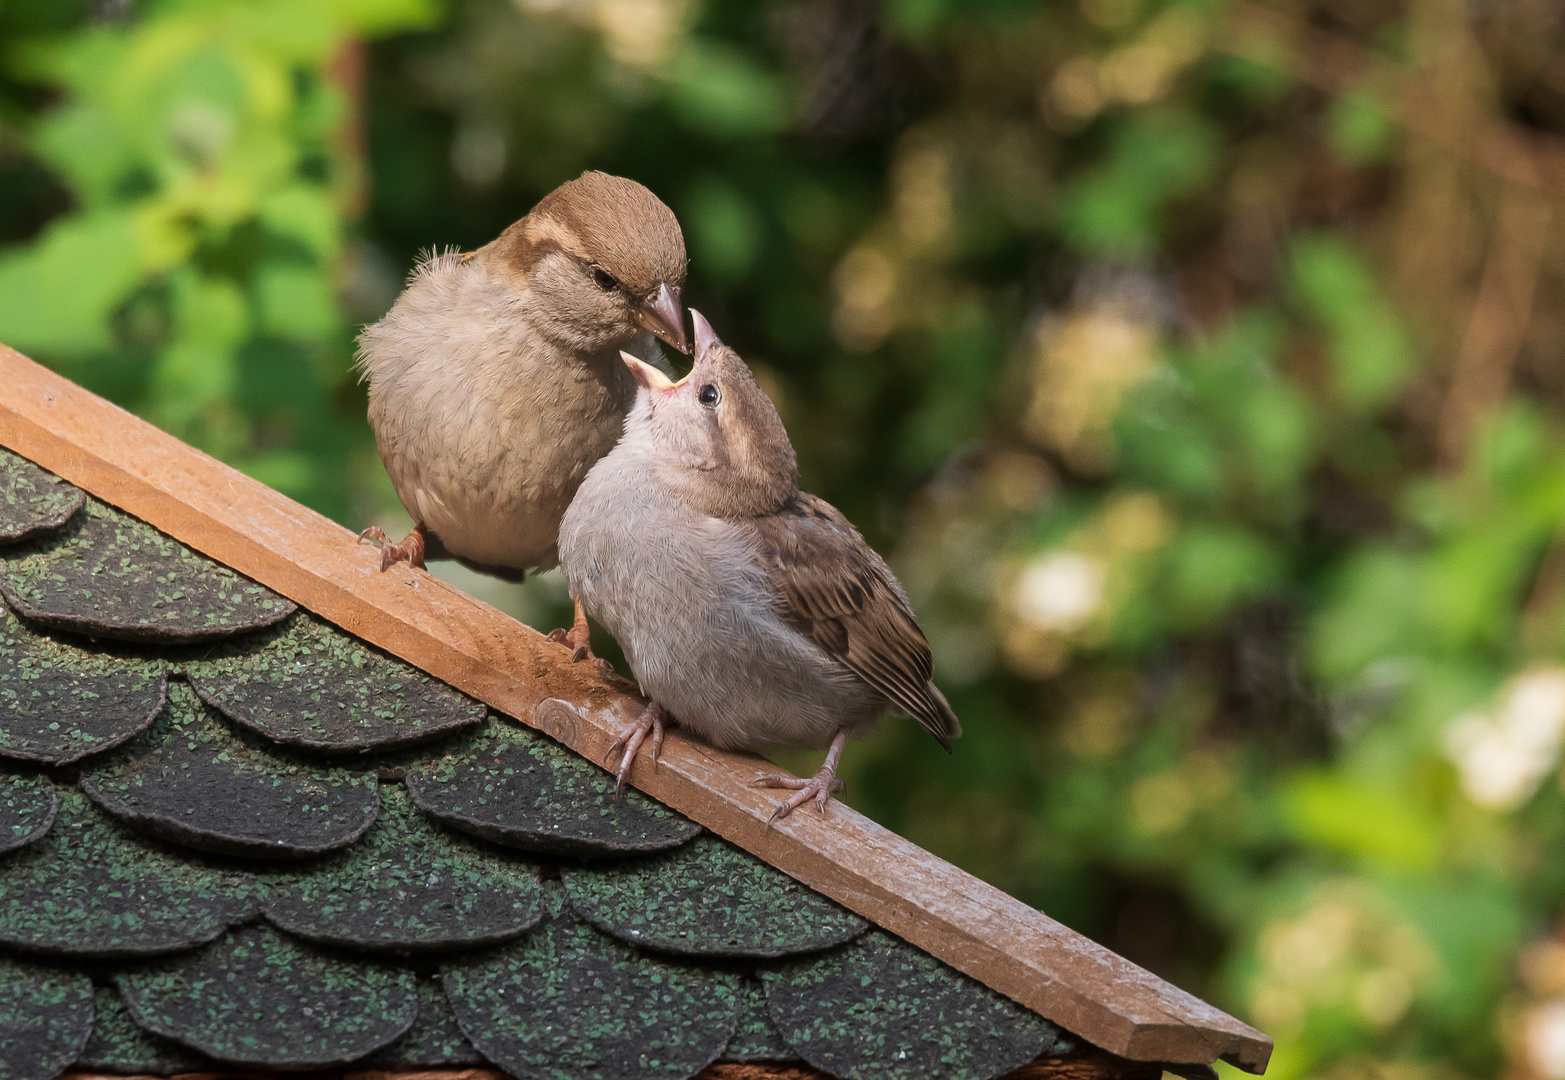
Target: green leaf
(296,302)
(717,89)
(1359,125)
(1212,566)
(1154,157)
(306,213)
(1378,825)
(1370,613)
(1369,350)
(209,310)
(89,148)
(725,227)
(56,295)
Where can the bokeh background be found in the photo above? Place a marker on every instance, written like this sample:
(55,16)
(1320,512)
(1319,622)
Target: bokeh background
(1197,364)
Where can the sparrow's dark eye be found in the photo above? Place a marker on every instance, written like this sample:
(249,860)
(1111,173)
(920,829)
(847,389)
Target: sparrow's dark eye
(708,396)
(604,279)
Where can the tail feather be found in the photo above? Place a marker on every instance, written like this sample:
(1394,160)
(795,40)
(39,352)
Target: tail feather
(941,721)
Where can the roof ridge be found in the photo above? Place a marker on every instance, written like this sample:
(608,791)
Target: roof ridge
(969,924)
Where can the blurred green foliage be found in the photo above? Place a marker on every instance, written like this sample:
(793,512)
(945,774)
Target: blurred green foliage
(1205,388)
(204,152)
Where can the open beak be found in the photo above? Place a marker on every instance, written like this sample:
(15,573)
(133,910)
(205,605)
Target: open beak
(664,317)
(705,337)
(646,375)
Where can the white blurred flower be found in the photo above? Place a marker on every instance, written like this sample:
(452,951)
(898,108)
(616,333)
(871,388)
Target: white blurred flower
(1504,754)
(1059,591)
(1545,1039)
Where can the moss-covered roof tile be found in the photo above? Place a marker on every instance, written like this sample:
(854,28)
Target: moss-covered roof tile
(61,701)
(45,1019)
(408,885)
(569,1003)
(27,809)
(91,887)
(106,574)
(434,1039)
(516,787)
(879,1009)
(195,782)
(117,1045)
(258,997)
(32,501)
(307,684)
(755,1036)
(708,898)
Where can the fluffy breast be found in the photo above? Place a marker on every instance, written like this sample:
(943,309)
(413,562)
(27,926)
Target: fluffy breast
(683,595)
(486,429)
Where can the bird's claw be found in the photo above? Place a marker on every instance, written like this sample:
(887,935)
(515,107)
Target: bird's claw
(820,787)
(649,722)
(579,640)
(580,650)
(410,550)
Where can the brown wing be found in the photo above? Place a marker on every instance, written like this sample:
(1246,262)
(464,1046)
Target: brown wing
(838,593)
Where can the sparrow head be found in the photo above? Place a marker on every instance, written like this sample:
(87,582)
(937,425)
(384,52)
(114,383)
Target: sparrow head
(605,260)
(714,435)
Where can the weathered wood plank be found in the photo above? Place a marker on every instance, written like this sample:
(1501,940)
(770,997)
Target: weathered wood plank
(969,924)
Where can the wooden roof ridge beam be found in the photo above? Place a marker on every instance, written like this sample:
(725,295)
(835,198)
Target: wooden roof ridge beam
(301,554)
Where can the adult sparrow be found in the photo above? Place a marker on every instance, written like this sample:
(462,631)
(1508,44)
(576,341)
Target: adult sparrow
(495,381)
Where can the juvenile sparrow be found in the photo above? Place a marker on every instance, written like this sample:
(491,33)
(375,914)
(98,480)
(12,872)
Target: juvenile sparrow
(752,613)
(495,381)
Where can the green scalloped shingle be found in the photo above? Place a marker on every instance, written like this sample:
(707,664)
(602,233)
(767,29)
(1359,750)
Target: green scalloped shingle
(408,885)
(258,997)
(45,1018)
(755,1036)
(708,898)
(196,782)
(310,685)
(569,1002)
(27,808)
(880,1009)
(434,1039)
(516,787)
(90,887)
(32,500)
(117,1045)
(60,702)
(106,574)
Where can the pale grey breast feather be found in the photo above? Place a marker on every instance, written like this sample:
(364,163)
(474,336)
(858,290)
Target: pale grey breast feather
(686,599)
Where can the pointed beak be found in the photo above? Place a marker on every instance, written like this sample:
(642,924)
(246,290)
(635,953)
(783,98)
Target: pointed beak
(664,317)
(705,338)
(647,376)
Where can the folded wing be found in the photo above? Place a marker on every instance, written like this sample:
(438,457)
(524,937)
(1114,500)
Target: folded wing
(836,591)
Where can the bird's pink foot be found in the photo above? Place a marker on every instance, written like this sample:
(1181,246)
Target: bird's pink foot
(579,640)
(650,722)
(820,787)
(410,550)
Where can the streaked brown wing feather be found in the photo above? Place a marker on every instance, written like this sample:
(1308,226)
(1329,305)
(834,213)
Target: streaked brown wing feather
(838,593)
